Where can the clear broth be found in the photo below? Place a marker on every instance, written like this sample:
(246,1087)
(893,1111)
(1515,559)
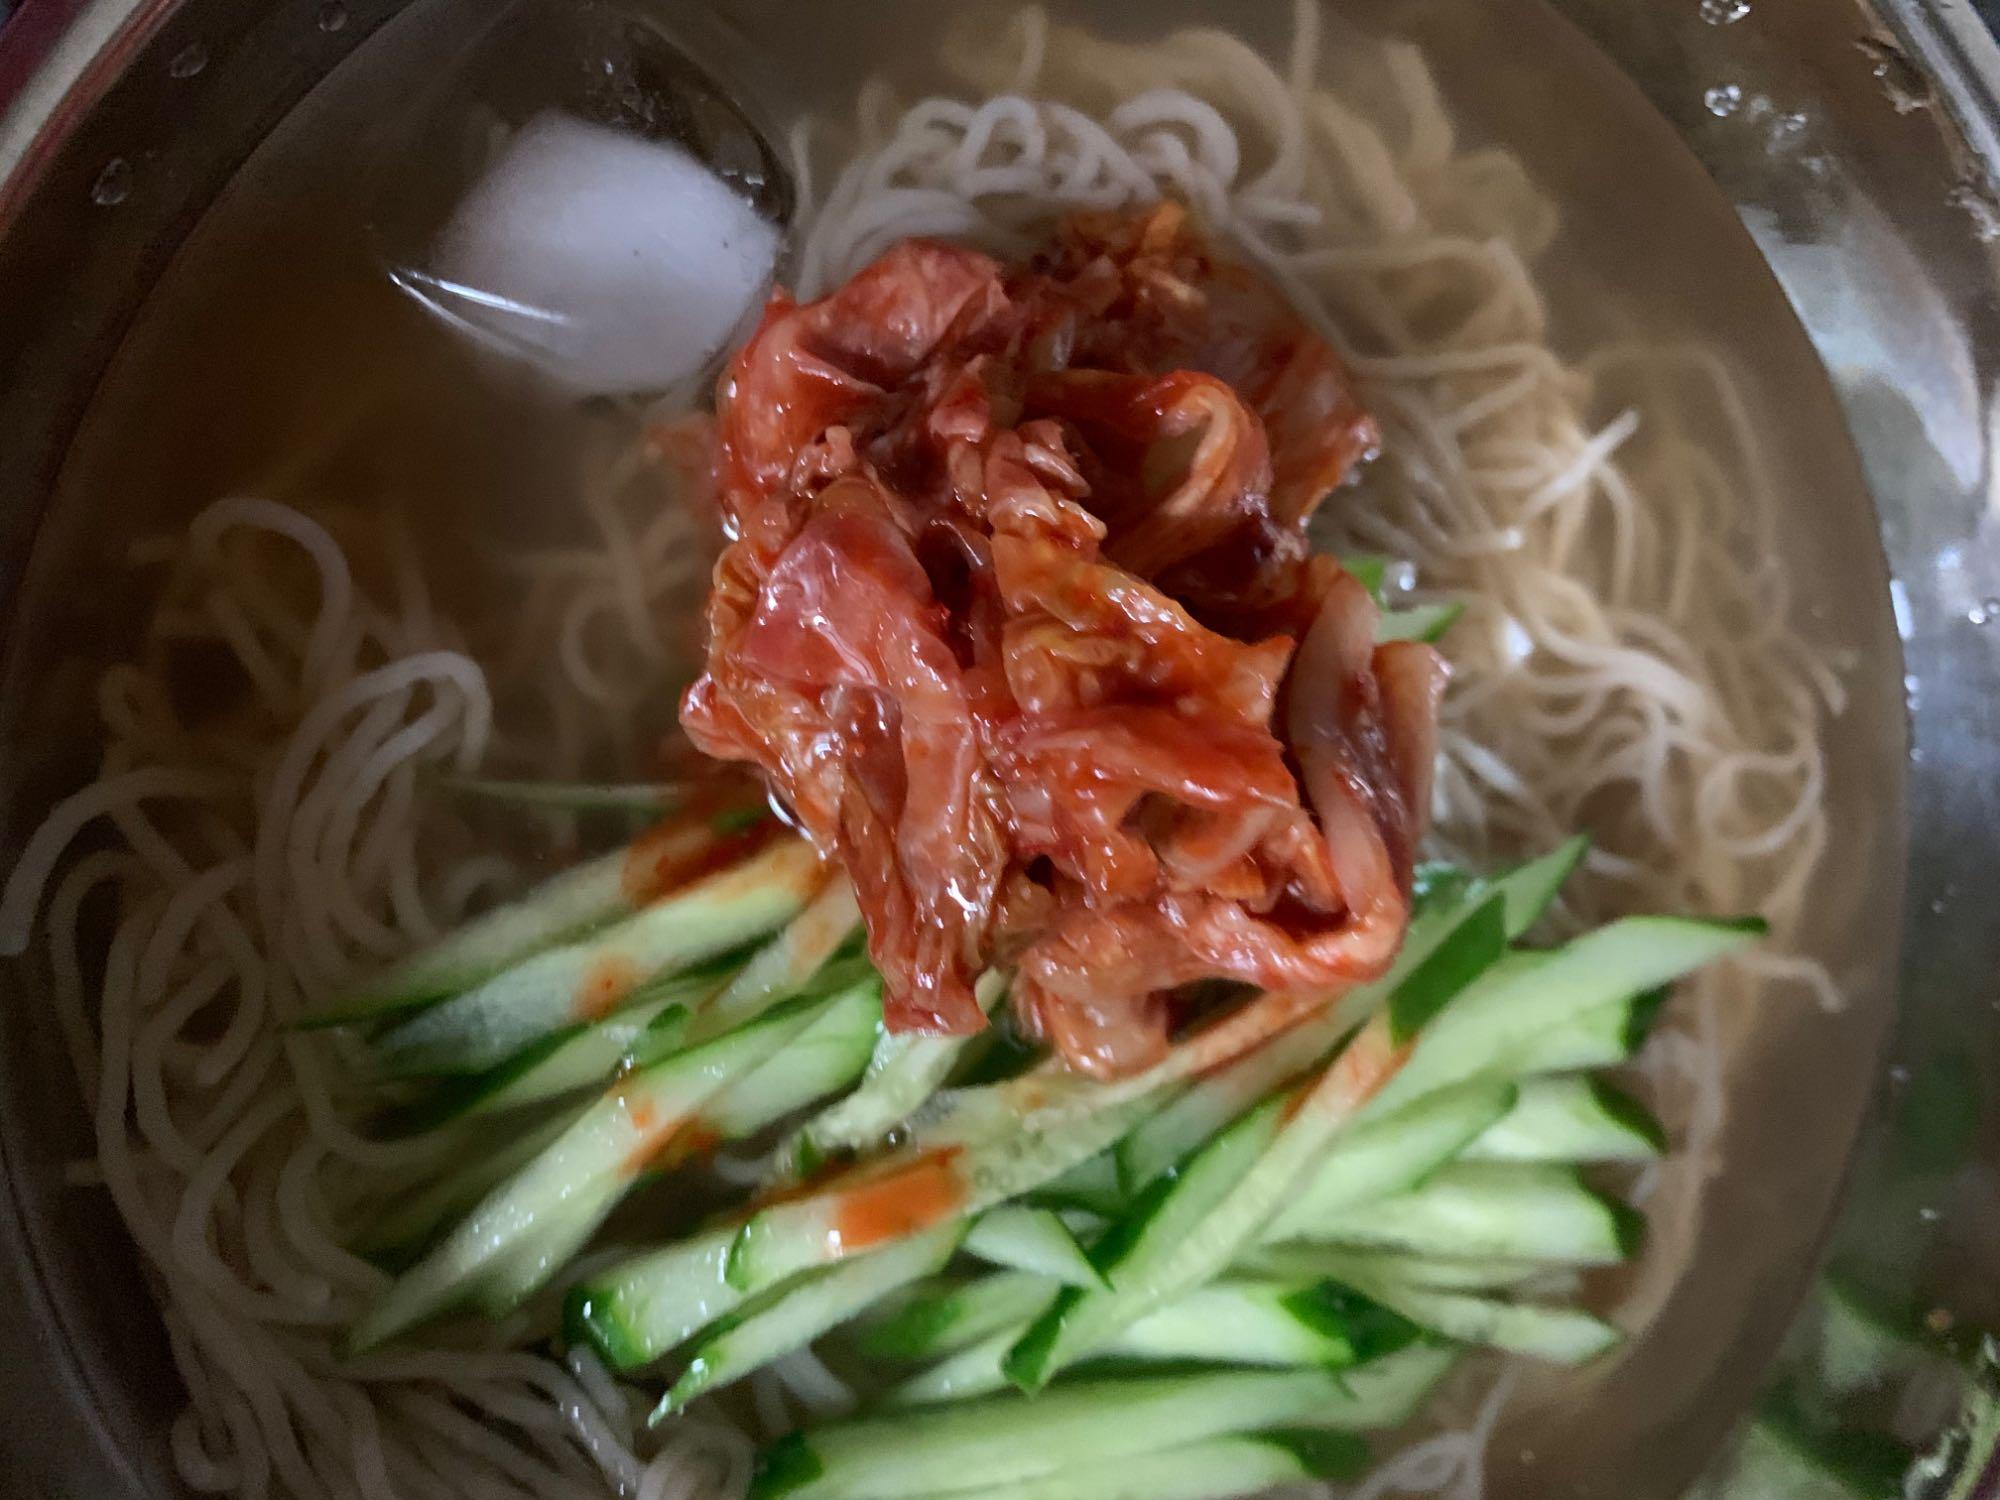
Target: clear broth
(276,358)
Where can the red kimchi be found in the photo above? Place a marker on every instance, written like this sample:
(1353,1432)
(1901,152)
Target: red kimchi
(1019,618)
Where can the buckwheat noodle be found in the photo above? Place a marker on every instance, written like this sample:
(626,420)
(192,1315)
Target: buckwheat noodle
(1625,665)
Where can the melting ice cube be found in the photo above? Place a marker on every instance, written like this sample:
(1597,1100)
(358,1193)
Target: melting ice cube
(614,263)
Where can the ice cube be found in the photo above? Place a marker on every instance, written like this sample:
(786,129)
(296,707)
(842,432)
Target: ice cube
(614,263)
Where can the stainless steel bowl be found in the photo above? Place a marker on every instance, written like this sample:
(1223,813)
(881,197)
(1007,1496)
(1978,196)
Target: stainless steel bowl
(1853,147)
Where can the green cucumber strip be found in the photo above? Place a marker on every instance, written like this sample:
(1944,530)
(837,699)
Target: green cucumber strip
(1247,1322)
(1179,1253)
(917,1187)
(1300,1262)
(1561,1335)
(587,979)
(1031,1239)
(1502,1209)
(1528,890)
(1602,1037)
(397,1239)
(1472,947)
(1211,1103)
(799,1312)
(1413,986)
(1007,1439)
(609,1145)
(1132,1254)
(972,1371)
(823,1059)
(1214,1470)
(649,1305)
(1091,1186)
(904,1072)
(586,896)
(560,1063)
(1378,1158)
(1369,570)
(786,965)
(1571,1118)
(1525,895)
(976,1371)
(1506,1009)
(946,1322)
(1418,622)
(529,1266)
(569,796)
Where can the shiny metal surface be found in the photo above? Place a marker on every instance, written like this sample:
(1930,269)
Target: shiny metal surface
(1853,153)
(1860,157)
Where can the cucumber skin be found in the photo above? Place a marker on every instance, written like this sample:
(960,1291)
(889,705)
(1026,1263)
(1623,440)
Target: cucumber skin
(711,916)
(583,1157)
(935,1326)
(1468,952)
(794,1463)
(1211,1470)
(927,1452)
(1186,1196)
(594,1313)
(863,1280)
(786,1238)
(1624,1226)
(1504,1012)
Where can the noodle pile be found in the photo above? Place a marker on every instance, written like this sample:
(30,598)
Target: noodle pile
(1624,666)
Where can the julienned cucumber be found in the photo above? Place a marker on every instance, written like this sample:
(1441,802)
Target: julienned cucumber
(593,977)
(1091,1186)
(1563,1335)
(564,1061)
(1253,1322)
(609,1145)
(1500,1209)
(1233,1322)
(1206,1107)
(1010,1439)
(639,1310)
(944,1322)
(1031,1239)
(787,965)
(1220,1204)
(1043,1097)
(1213,1470)
(1379,1158)
(824,1058)
(649,1305)
(1602,1037)
(905,1071)
(1438,1273)
(916,1188)
(1129,1257)
(528,1266)
(972,1371)
(1571,1118)
(1525,894)
(1499,1018)
(400,1236)
(797,1313)
(587,896)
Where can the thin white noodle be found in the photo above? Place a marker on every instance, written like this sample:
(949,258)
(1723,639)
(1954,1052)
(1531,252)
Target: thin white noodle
(1625,659)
